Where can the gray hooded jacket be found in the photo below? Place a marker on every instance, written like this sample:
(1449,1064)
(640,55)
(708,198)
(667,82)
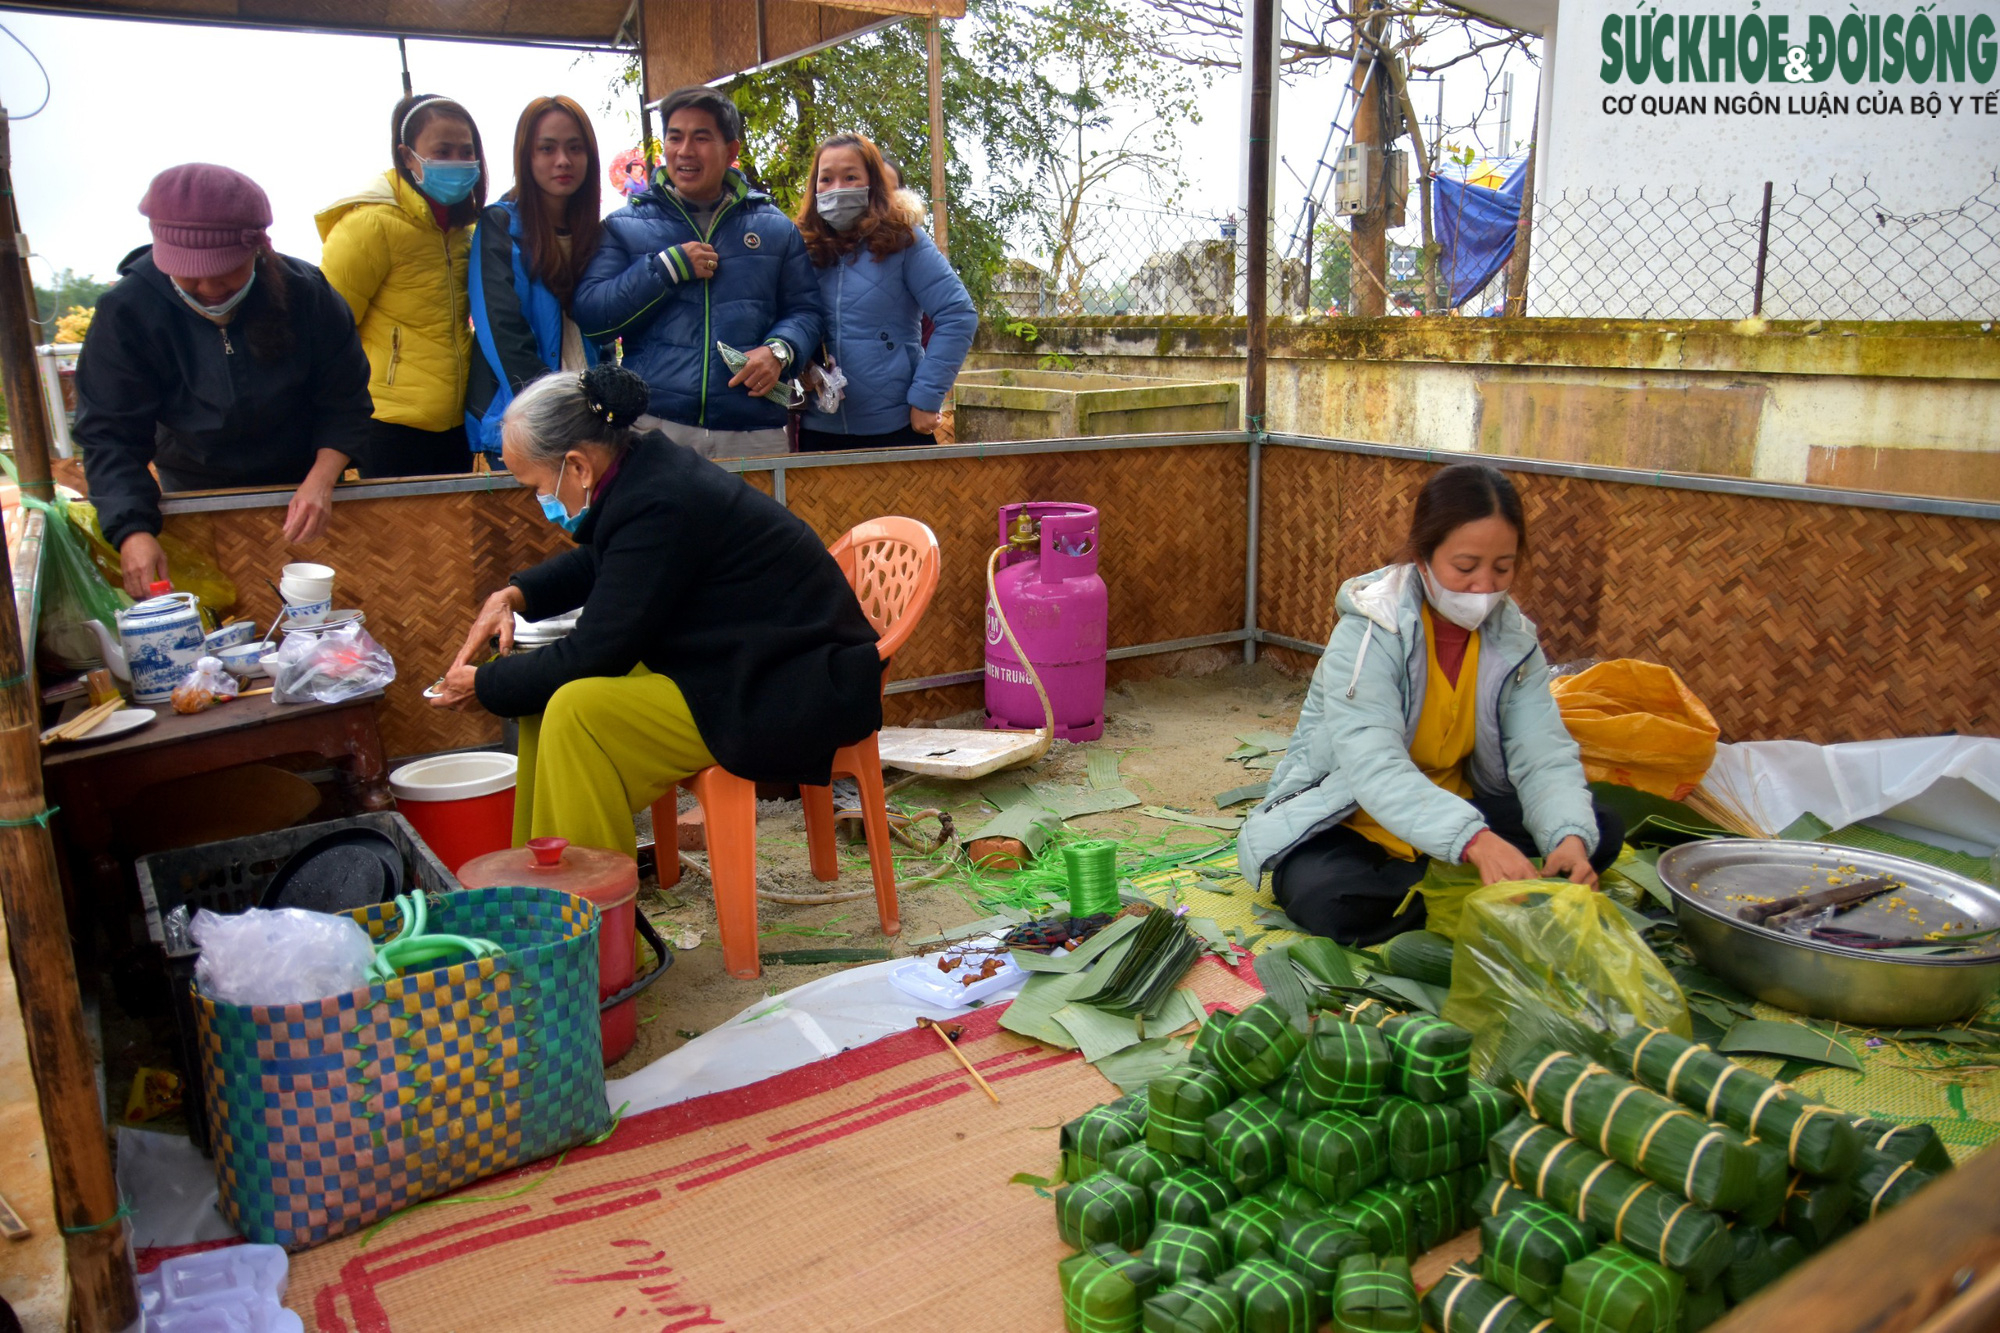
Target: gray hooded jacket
(1352,746)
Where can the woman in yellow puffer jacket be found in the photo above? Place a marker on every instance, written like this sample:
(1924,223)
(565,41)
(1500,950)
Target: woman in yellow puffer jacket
(396,251)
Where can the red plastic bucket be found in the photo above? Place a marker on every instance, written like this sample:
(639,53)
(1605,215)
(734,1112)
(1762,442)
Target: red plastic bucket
(462,805)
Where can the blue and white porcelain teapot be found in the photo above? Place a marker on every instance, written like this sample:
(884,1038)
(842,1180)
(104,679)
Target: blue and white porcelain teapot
(161,640)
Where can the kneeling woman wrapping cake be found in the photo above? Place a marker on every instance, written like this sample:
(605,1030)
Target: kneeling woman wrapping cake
(1429,731)
(715,628)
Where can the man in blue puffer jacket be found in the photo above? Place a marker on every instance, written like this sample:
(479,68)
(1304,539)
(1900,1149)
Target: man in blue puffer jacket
(701,259)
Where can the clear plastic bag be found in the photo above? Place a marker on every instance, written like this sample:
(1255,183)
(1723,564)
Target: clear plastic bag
(205,686)
(282,956)
(189,568)
(1550,963)
(341,664)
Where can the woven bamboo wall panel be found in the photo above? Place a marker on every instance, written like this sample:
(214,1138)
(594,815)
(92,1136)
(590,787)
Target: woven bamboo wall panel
(1173,524)
(1791,620)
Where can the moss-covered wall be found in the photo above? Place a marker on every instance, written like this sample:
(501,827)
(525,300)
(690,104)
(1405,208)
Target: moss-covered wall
(1911,407)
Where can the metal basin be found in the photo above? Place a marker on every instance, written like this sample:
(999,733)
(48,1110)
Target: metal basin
(1828,980)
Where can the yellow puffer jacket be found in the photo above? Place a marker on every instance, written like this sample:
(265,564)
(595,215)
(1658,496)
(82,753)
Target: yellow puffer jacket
(405,281)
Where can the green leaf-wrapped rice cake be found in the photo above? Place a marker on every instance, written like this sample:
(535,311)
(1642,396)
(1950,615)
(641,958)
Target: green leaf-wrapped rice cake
(1180,1252)
(1526,1249)
(1816,1211)
(1905,1143)
(1346,1065)
(1103,1289)
(1699,1309)
(1385,1217)
(1191,1195)
(1615,1291)
(1291,1196)
(1177,1106)
(1774,1174)
(1249,1227)
(1431,1059)
(1423,1138)
(1817,1139)
(1752,1266)
(1257,1047)
(1787,1251)
(1314,1246)
(1471,1179)
(1335,1154)
(1097,1133)
(1275,1299)
(1657,1137)
(1498,1195)
(1375,1296)
(1435,1205)
(1104,1209)
(1298,1098)
(1884,1182)
(1464,1302)
(1619,1203)
(1246,1141)
(1481,1112)
(1142,1164)
(1192,1307)
(1208,1036)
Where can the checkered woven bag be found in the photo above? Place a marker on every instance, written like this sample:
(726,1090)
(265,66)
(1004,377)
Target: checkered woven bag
(331,1115)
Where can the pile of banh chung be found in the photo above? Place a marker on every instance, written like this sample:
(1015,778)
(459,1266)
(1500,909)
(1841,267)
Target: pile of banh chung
(1285,1178)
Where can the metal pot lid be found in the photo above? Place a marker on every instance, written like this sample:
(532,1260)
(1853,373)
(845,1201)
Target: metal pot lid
(1720,876)
(165,604)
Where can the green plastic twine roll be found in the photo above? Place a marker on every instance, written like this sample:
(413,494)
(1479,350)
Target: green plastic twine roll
(1093,877)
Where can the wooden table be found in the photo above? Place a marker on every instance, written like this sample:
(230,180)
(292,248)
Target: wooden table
(90,781)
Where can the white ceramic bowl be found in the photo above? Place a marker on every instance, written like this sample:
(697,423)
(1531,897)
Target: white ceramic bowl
(243,631)
(305,590)
(243,661)
(300,610)
(308,571)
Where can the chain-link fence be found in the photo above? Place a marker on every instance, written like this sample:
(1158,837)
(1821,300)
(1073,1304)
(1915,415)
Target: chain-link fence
(1832,251)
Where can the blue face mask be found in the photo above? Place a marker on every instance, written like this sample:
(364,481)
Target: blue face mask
(552,509)
(447,182)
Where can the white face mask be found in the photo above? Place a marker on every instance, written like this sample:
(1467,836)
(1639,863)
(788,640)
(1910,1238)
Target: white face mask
(1467,610)
(221,312)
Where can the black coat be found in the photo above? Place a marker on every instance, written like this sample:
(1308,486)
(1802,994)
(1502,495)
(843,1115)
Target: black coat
(681,566)
(157,383)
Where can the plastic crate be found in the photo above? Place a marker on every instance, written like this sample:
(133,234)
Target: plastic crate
(229,877)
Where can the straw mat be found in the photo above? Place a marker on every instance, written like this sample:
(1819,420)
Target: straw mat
(867,1191)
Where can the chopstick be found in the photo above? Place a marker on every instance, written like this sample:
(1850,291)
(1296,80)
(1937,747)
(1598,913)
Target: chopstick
(959,1056)
(83,723)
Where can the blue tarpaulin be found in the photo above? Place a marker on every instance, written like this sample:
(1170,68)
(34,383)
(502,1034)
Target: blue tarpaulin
(1475,228)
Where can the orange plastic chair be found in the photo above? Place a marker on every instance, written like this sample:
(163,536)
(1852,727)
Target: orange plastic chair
(892,564)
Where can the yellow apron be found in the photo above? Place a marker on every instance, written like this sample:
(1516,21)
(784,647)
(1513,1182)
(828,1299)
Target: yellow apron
(1444,739)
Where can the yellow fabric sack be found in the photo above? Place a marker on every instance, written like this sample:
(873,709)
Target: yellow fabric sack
(188,568)
(1639,726)
(1546,963)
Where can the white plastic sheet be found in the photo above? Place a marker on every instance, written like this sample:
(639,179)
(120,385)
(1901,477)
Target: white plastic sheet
(1942,789)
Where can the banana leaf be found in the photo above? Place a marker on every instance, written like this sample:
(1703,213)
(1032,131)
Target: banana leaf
(1192,1307)
(1423,1138)
(1346,1065)
(1246,1141)
(1336,1155)
(1385,1217)
(1431,1059)
(1314,1246)
(1180,1252)
(1526,1249)
(1191,1195)
(1249,1227)
(1817,1139)
(1905,1143)
(1178,1106)
(1615,1291)
(1275,1299)
(1257,1046)
(1102,1290)
(1659,1138)
(1375,1296)
(1620,1204)
(1883,1182)
(1463,1302)
(1104,1209)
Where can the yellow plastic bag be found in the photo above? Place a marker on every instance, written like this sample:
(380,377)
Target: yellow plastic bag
(1639,726)
(189,568)
(1550,963)
(1445,888)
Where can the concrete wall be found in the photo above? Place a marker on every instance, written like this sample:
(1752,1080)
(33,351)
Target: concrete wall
(1911,408)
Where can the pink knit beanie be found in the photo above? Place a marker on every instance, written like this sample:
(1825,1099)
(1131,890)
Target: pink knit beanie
(207,220)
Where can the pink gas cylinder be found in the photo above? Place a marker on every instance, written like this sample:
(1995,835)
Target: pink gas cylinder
(1048,588)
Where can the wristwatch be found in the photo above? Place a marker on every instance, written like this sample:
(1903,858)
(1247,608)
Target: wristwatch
(783,350)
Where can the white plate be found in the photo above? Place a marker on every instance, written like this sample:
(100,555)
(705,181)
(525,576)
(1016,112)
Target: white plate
(118,724)
(919,978)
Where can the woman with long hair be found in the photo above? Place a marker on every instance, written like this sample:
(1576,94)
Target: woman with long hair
(1429,731)
(527,253)
(217,363)
(879,277)
(397,250)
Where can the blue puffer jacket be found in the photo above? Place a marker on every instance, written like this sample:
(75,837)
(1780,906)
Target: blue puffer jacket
(517,324)
(874,320)
(763,288)
(1352,746)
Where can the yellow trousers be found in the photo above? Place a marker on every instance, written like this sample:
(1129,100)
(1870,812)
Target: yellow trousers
(606,748)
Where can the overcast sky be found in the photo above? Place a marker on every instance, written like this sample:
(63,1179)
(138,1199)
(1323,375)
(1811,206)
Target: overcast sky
(307,117)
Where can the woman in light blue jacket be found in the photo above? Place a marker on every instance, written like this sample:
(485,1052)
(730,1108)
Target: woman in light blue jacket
(879,275)
(1429,731)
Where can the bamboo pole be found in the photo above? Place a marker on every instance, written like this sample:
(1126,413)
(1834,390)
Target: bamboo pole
(933,41)
(100,1270)
(1263,21)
